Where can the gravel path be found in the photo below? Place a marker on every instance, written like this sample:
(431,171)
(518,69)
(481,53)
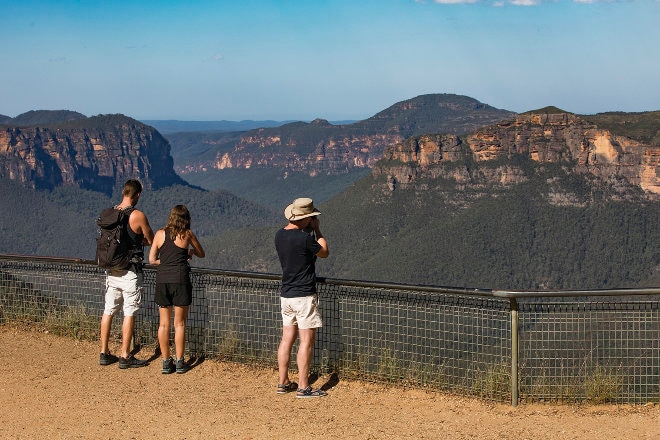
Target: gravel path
(53,388)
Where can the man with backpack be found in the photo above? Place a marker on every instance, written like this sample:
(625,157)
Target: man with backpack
(124,284)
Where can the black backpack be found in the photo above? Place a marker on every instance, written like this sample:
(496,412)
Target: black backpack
(112,243)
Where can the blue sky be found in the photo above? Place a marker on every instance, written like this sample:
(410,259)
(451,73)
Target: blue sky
(331,59)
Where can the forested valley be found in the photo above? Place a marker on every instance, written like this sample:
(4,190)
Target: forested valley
(513,241)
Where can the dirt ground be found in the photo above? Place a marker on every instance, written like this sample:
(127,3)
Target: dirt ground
(53,388)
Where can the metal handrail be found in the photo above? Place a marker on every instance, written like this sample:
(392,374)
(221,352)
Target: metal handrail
(575,293)
(389,285)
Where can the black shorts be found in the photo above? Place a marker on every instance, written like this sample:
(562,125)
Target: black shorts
(173,294)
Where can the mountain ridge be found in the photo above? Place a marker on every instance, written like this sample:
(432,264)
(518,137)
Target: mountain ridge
(535,201)
(99,152)
(41,117)
(321,147)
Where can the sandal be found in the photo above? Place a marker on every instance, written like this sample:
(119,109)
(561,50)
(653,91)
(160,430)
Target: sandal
(309,392)
(286,388)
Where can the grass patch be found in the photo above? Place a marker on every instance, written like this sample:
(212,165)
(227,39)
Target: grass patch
(493,382)
(602,386)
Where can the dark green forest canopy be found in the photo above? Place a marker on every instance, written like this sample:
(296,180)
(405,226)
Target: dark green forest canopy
(513,240)
(510,239)
(42,117)
(642,127)
(62,222)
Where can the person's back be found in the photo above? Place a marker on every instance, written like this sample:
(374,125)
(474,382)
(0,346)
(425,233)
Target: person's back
(298,244)
(124,286)
(297,250)
(173,266)
(172,247)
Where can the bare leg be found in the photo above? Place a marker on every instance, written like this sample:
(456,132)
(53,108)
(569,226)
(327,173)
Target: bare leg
(180,316)
(165,314)
(289,334)
(304,357)
(106,325)
(127,336)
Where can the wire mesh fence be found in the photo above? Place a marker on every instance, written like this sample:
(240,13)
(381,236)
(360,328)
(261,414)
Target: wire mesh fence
(599,349)
(566,349)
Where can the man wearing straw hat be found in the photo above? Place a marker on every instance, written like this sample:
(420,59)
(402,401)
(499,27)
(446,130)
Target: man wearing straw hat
(298,244)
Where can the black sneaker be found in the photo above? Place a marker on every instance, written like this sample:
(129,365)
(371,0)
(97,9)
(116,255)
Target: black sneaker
(181,366)
(107,359)
(168,366)
(131,362)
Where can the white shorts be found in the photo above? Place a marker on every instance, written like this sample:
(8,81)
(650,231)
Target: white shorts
(123,290)
(302,311)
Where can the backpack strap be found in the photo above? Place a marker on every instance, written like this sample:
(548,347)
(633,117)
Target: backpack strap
(127,212)
(137,255)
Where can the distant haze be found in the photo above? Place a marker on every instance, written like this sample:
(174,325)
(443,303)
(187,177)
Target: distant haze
(336,60)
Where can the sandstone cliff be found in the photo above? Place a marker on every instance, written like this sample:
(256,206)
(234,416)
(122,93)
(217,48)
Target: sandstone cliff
(97,153)
(320,147)
(563,140)
(325,154)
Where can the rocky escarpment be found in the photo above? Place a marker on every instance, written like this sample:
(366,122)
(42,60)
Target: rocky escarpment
(320,147)
(98,153)
(492,155)
(327,150)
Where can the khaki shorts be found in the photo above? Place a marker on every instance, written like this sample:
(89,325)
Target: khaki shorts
(123,290)
(302,311)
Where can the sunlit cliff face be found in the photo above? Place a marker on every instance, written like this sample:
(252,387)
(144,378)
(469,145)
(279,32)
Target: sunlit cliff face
(327,155)
(562,139)
(98,158)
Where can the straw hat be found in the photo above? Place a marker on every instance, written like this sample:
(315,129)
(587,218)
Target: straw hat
(300,208)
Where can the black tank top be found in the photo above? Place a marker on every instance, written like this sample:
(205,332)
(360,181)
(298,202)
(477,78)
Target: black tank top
(173,267)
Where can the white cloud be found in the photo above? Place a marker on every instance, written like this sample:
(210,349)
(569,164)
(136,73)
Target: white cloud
(454,2)
(604,1)
(500,3)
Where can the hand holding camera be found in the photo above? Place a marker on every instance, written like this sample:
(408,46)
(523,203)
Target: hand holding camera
(314,226)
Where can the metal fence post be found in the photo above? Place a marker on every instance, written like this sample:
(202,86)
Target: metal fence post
(514,351)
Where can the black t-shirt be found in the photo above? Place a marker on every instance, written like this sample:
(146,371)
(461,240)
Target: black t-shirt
(297,252)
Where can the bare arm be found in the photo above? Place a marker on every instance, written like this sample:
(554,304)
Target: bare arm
(320,239)
(197,248)
(140,225)
(157,242)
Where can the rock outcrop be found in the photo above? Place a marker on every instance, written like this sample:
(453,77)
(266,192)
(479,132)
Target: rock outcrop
(98,153)
(331,155)
(485,156)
